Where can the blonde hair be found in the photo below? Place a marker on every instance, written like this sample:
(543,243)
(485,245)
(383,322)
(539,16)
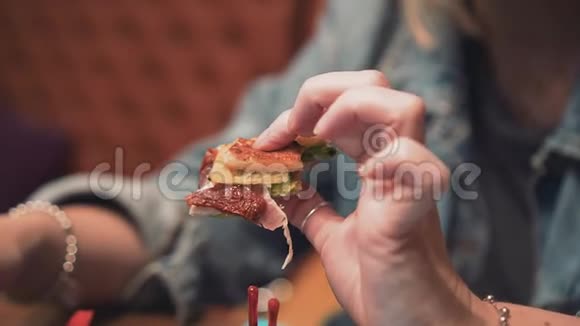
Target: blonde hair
(419,12)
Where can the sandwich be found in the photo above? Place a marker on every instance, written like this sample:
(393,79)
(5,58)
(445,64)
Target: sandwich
(237,180)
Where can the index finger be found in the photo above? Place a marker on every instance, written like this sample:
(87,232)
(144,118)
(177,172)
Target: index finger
(315,96)
(277,135)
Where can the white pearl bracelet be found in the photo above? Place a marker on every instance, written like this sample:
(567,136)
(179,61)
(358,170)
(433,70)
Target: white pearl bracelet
(65,289)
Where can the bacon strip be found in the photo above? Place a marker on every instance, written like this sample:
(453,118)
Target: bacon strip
(245,201)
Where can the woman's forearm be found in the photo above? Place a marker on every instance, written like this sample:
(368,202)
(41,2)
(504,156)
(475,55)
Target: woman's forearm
(37,241)
(526,316)
(529,316)
(110,254)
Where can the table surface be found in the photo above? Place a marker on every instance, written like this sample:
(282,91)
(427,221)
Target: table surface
(311,303)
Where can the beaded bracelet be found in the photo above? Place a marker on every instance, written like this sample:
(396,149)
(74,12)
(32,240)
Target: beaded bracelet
(503,312)
(65,288)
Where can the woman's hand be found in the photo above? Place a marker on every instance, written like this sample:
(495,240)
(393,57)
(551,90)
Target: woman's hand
(30,254)
(32,249)
(10,255)
(387,261)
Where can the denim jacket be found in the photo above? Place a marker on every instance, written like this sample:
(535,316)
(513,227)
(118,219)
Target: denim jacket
(207,260)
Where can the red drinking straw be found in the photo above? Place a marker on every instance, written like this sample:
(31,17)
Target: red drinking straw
(273,308)
(252,306)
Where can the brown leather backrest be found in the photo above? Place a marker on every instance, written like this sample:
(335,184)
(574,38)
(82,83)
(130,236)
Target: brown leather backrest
(149,76)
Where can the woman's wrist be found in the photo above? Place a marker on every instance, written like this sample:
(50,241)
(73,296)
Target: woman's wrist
(463,307)
(442,297)
(38,231)
(469,310)
(40,242)
(483,313)
(11,255)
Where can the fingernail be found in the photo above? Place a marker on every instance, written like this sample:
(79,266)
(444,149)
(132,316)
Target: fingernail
(316,130)
(261,139)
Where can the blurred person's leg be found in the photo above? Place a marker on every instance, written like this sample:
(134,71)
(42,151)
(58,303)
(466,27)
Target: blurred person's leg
(32,249)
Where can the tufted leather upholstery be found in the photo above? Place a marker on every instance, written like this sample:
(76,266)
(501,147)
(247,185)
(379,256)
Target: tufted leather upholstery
(150,75)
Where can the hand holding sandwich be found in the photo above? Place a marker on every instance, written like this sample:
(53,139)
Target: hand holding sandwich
(386,262)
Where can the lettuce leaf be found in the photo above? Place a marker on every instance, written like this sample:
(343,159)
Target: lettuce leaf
(318,153)
(286,188)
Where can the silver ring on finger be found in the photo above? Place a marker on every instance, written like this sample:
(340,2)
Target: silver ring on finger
(312,212)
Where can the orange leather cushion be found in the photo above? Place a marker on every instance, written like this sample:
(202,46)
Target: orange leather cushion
(148,76)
